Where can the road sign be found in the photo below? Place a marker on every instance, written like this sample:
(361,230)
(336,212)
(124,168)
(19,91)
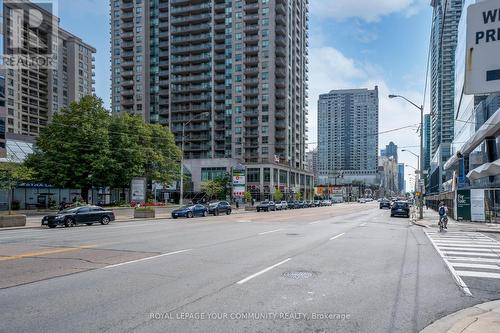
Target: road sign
(482,66)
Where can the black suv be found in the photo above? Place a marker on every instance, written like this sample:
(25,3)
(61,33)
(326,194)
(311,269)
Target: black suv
(385,204)
(400,208)
(79,215)
(219,207)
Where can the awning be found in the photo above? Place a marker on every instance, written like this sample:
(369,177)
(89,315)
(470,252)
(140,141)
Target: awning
(485,170)
(489,128)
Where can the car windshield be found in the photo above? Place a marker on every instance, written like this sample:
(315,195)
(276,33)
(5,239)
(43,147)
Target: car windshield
(69,210)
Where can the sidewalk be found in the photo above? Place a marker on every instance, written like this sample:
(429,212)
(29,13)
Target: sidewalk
(34,222)
(482,318)
(431,219)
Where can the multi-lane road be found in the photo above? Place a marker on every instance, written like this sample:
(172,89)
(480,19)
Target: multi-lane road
(346,268)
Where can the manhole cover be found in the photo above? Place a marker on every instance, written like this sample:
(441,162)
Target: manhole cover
(300,275)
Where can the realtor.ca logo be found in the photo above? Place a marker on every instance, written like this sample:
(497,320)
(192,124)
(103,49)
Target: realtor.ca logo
(30,31)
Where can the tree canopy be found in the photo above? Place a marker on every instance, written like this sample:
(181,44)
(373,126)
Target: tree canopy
(85,146)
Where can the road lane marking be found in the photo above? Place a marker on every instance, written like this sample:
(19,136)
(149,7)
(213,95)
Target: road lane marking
(334,237)
(46,252)
(479,274)
(148,258)
(452,270)
(471,254)
(263,271)
(362,224)
(474,259)
(315,222)
(269,232)
(482,266)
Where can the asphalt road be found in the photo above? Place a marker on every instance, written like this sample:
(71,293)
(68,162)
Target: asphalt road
(347,268)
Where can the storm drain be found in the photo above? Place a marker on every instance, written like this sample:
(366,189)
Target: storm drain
(298,275)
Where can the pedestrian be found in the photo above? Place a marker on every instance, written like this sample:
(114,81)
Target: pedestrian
(253,202)
(237,204)
(443,214)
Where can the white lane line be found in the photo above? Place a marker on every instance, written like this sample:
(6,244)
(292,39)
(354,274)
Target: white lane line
(269,232)
(315,222)
(457,278)
(479,274)
(460,253)
(334,237)
(148,258)
(453,259)
(483,266)
(465,242)
(468,250)
(362,224)
(263,271)
(468,246)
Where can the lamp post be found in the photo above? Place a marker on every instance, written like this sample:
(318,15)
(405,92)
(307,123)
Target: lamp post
(421,160)
(181,199)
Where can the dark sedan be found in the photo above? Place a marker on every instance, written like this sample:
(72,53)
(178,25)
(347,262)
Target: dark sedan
(216,208)
(190,211)
(400,208)
(79,215)
(385,204)
(291,204)
(266,206)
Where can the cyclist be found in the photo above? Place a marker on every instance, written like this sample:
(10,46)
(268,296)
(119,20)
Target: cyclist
(443,215)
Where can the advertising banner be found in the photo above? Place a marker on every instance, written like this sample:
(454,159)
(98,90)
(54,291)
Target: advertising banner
(477,205)
(239,181)
(463,205)
(138,190)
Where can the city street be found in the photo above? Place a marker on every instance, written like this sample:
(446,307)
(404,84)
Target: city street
(348,268)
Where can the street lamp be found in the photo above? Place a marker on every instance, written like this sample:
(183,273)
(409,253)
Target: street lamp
(181,200)
(421,162)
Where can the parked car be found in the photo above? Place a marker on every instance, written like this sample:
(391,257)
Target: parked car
(362,200)
(218,207)
(317,203)
(279,206)
(79,215)
(190,211)
(400,208)
(326,202)
(284,205)
(385,204)
(266,206)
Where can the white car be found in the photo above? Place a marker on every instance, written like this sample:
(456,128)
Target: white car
(282,205)
(362,200)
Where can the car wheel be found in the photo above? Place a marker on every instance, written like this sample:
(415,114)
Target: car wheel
(216,213)
(52,226)
(205,213)
(190,215)
(69,223)
(104,220)
(174,217)
(228,212)
(89,224)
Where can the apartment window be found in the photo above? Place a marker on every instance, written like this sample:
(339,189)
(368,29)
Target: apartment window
(237,120)
(265,140)
(253,175)
(212,173)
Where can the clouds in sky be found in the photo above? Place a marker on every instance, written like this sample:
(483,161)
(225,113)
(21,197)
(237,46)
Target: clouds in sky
(368,10)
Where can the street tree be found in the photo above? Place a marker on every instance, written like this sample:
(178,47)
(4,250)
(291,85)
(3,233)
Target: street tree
(10,175)
(74,151)
(211,188)
(277,195)
(298,196)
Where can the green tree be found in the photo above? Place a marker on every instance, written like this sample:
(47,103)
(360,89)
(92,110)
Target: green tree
(74,150)
(248,196)
(10,175)
(211,188)
(277,195)
(298,196)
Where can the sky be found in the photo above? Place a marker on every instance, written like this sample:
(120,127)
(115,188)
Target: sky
(353,44)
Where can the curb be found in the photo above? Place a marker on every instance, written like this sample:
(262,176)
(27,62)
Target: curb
(420,224)
(479,315)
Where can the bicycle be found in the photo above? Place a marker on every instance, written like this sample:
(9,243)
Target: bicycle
(443,223)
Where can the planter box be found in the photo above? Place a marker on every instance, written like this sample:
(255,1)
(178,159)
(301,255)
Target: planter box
(7,221)
(144,214)
(250,209)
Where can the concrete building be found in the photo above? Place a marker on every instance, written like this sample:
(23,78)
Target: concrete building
(312,163)
(3,113)
(231,75)
(443,45)
(475,152)
(348,136)
(34,93)
(388,176)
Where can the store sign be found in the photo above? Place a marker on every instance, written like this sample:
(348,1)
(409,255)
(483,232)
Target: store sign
(478,213)
(239,181)
(463,205)
(482,72)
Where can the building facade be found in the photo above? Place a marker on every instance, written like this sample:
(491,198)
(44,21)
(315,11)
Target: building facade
(312,163)
(35,93)
(3,113)
(229,78)
(475,152)
(390,150)
(401,178)
(348,136)
(445,19)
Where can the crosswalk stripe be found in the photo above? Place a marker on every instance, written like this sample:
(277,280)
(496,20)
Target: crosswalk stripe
(460,264)
(479,274)
(492,247)
(472,254)
(452,259)
(468,250)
